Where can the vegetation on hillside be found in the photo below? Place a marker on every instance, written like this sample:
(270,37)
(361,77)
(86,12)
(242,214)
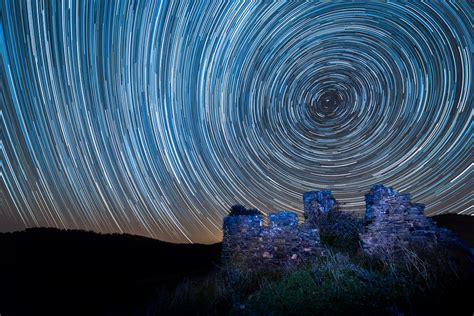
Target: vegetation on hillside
(344,281)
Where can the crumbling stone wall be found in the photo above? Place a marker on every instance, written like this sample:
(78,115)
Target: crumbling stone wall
(284,239)
(249,242)
(242,235)
(394,222)
(317,204)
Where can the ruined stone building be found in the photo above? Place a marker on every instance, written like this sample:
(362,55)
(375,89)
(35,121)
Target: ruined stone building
(252,239)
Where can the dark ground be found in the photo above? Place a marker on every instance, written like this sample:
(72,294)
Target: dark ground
(462,225)
(46,271)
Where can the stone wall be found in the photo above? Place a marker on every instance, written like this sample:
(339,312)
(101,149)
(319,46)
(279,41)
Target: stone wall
(394,222)
(242,235)
(248,241)
(317,203)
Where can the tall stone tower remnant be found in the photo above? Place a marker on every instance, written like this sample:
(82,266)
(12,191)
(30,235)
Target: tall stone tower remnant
(317,203)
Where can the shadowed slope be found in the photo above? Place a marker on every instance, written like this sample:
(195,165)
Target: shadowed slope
(44,270)
(462,225)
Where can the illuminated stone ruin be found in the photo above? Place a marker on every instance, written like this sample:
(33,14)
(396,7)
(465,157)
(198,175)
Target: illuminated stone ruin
(392,222)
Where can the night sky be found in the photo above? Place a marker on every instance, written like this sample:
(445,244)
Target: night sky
(154,118)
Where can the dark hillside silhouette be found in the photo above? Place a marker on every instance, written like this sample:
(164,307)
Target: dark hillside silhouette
(462,225)
(70,272)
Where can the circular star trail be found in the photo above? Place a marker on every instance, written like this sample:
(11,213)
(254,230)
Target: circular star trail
(153,118)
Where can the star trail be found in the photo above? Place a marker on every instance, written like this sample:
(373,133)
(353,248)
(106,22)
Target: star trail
(153,118)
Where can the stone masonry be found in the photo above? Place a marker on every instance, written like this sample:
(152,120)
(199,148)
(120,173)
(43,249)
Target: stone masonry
(394,222)
(317,203)
(248,241)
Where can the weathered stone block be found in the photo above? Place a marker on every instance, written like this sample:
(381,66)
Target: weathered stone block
(317,203)
(283,218)
(394,221)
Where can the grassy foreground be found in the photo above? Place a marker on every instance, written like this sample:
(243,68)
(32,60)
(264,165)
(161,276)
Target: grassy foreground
(412,281)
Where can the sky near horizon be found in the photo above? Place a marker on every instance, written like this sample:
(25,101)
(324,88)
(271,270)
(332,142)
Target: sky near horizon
(153,118)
